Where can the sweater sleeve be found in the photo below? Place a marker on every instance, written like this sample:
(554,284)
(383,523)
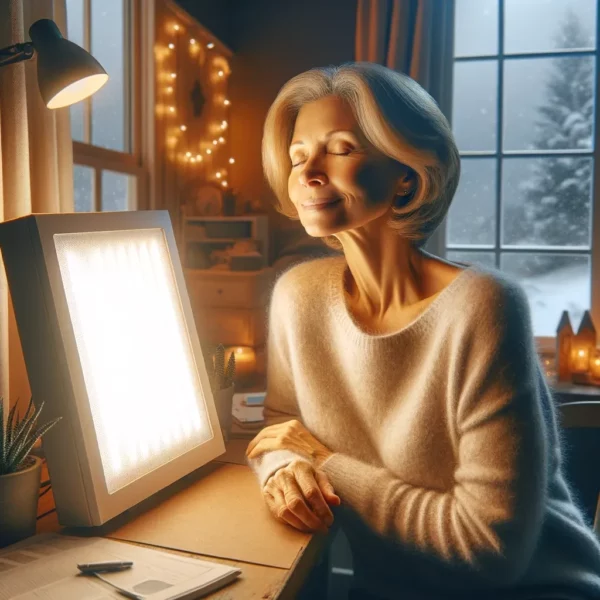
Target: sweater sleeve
(280,401)
(489,522)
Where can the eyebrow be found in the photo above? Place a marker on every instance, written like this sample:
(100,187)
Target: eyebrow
(327,136)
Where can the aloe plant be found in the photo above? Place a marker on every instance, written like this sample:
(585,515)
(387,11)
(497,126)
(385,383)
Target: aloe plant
(18,436)
(222,376)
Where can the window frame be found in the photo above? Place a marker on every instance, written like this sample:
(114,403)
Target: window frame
(545,344)
(138,33)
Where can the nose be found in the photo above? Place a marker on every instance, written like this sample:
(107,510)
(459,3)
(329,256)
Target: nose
(312,175)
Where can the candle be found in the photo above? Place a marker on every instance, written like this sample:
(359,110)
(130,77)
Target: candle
(580,359)
(245,360)
(595,366)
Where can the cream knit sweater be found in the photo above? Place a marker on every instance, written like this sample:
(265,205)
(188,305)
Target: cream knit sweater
(447,456)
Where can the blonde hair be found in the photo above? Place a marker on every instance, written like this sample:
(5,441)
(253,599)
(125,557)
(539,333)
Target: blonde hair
(396,115)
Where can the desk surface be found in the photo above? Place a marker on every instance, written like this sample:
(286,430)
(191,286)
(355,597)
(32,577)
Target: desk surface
(257,581)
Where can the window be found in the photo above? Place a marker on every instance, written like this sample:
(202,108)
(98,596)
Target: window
(106,147)
(524,104)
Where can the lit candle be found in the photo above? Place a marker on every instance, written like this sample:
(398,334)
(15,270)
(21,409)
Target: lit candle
(245,360)
(595,366)
(580,359)
(231,161)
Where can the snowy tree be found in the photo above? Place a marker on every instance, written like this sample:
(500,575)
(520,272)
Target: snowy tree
(556,207)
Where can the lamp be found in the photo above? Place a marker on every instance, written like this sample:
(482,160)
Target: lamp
(110,345)
(66,72)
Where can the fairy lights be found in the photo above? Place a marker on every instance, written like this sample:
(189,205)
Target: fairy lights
(188,144)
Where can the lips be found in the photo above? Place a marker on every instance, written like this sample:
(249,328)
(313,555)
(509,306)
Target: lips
(320,202)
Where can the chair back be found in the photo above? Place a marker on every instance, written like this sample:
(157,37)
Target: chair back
(580,424)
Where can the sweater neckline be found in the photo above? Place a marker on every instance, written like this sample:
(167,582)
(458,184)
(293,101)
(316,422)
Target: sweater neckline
(344,316)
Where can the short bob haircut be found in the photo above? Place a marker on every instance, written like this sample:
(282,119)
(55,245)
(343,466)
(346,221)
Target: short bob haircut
(396,115)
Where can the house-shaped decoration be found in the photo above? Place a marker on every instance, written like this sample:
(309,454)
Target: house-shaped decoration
(564,343)
(583,347)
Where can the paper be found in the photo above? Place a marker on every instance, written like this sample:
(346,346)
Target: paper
(44,567)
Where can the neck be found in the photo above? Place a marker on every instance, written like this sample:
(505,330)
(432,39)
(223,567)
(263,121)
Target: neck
(386,270)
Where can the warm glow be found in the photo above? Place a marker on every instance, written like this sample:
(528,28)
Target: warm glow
(142,383)
(221,73)
(199,157)
(192,159)
(188,154)
(210,45)
(223,124)
(224,183)
(171,109)
(226,102)
(78,90)
(172,46)
(169,90)
(192,41)
(215,142)
(231,161)
(176,27)
(183,128)
(222,140)
(581,353)
(218,175)
(173,75)
(208,151)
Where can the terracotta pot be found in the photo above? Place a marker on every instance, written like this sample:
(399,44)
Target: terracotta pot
(19,494)
(224,404)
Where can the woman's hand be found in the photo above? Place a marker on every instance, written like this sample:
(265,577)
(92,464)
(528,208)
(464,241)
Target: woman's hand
(299,496)
(291,435)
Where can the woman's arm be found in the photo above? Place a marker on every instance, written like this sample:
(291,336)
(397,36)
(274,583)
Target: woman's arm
(489,522)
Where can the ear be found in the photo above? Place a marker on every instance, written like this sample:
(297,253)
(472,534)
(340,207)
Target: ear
(407,182)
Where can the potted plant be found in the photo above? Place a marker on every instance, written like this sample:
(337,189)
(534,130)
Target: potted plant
(223,385)
(20,472)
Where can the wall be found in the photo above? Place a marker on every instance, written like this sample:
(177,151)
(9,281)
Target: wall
(273,40)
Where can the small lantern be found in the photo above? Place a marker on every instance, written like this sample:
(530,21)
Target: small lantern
(245,361)
(564,342)
(595,367)
(584,345)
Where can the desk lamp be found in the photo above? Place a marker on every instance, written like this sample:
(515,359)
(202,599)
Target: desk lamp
(66,72)
(110,345)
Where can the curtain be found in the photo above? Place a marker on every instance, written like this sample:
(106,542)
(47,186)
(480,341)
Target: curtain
(415,37)
(36,162)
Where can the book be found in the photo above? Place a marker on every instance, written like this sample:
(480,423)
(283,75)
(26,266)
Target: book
(44,567)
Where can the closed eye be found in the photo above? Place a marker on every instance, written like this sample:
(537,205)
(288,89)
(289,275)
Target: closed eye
(345,153)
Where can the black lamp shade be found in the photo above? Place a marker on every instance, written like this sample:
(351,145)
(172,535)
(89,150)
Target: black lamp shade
(66,72)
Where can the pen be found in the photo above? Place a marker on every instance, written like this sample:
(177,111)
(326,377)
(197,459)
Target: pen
(106,566)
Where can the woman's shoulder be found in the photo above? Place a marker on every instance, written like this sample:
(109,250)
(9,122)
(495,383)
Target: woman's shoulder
(307,277)
(491,296)
(305,281)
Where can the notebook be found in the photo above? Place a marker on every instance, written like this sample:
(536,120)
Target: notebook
(44,567)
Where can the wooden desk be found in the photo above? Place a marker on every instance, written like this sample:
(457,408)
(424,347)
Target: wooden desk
(257,581)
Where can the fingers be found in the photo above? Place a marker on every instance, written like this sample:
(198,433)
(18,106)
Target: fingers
(327,489)
(312,492)
(276,503)
(296,503)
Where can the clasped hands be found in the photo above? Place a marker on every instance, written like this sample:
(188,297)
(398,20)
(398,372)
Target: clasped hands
(300,493)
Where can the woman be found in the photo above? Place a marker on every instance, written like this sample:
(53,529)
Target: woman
(405,398)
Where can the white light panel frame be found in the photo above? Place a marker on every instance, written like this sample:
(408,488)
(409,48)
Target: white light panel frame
(55,369)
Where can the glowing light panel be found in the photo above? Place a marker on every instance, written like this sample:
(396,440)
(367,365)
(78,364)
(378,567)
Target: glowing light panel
(138,365)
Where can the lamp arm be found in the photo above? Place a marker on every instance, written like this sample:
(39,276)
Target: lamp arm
(16,53)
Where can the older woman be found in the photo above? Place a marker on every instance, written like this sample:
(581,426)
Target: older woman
(404,394)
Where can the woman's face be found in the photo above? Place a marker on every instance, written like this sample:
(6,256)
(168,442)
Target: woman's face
(338,180)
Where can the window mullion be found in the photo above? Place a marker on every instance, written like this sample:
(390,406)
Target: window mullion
(595,254)
(87,44)
(97,203)
(499,128)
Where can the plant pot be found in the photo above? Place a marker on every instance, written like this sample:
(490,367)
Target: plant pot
(224,404)
(19,494)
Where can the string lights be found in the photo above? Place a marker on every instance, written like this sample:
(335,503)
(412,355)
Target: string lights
(188,144)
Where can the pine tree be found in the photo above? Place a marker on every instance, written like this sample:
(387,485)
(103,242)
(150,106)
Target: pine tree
(556,208)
